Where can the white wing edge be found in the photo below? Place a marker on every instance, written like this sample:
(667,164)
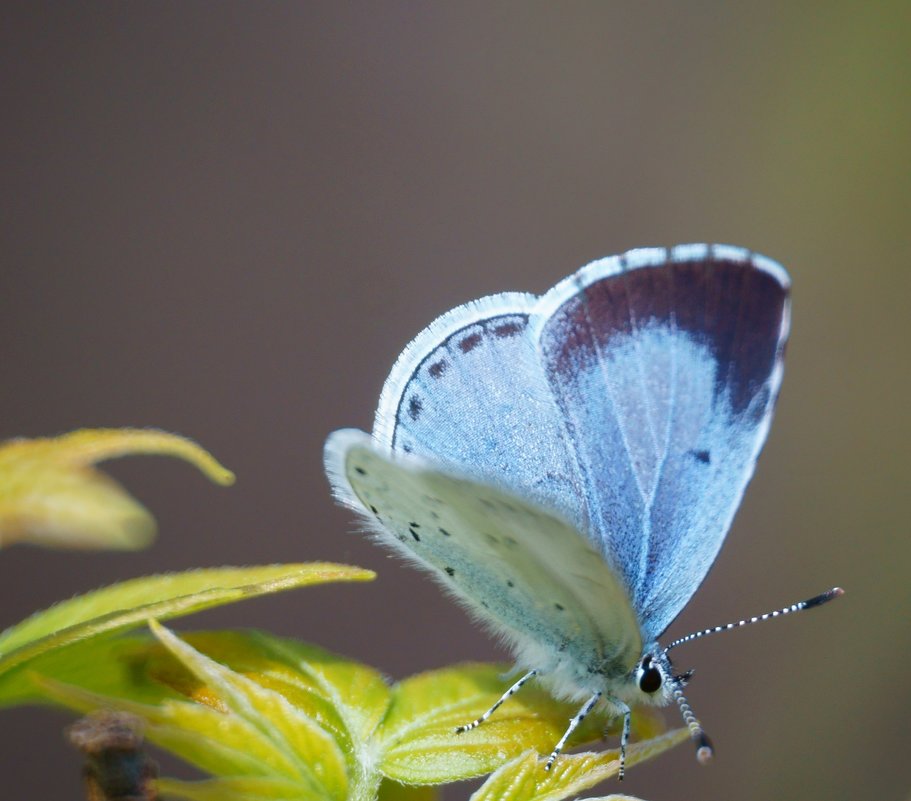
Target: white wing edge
(637,258)
(540,308)
(338,443)
(335,451)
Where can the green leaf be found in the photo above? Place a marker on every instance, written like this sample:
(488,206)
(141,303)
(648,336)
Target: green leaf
(302,749)
(237,789)
(131,603)
(270,718)
(50,495)
(524,778)
(346,697)
(418,739)
(243,721)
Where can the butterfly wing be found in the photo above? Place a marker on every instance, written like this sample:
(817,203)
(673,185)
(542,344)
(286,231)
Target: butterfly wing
(632,400)
(523,571)
(470,391)
(665,368)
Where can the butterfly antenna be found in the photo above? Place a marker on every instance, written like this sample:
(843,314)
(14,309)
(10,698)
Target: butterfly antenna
(817,600)
(704,749)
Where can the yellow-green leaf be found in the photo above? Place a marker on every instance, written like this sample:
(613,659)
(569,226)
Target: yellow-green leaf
(228,725)
(524,778)
(205,736)
(266,715)
(418,740)
(50,494)
(242,788)
(131,603)
(303,750)
(235,704)
(347,698)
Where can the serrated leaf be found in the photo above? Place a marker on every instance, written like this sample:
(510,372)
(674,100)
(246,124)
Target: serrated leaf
(131,603)
(347,698)
(50,494)
(418,736)
(302,748)
(202,735)
(249,707)
(524,778)
(259,712)
(238,730)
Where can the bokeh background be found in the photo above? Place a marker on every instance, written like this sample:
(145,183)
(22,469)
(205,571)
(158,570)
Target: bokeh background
(227,219)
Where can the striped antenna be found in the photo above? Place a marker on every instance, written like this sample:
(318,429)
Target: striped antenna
(817,600)
(704,749)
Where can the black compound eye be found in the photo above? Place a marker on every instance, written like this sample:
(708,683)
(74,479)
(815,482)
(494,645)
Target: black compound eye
(650,680)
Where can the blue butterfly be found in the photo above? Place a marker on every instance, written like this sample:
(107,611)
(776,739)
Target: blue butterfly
(568,465)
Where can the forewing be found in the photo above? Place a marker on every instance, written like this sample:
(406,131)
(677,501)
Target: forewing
(470,392)
(665,367)
(521,570)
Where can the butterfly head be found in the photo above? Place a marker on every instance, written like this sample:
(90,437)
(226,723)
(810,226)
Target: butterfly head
(656,683)
(654,677)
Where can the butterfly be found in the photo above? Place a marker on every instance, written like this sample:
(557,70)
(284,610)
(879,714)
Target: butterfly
(568,465)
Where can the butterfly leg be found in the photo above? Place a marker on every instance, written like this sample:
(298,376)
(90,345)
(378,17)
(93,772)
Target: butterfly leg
(508,694)
(574,721)
(624,737)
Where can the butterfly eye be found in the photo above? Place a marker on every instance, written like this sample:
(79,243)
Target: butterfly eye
(649,677)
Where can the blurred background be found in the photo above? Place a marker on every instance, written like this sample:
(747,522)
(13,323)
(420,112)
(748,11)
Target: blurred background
(227,220)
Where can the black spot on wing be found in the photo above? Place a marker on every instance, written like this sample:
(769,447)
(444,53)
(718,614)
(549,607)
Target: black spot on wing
(444,532)
(414,407)
(511,328)
(702,456)
(449,571)
(360,471)
(470,342)
(438,363)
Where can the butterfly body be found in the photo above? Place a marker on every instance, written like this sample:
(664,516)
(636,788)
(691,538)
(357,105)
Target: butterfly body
(567,466)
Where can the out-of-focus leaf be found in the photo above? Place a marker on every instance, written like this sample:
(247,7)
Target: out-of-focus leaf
(524,778)
(419,743)
(51,495)
(131,603)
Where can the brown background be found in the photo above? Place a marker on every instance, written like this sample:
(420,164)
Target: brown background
(227,219)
